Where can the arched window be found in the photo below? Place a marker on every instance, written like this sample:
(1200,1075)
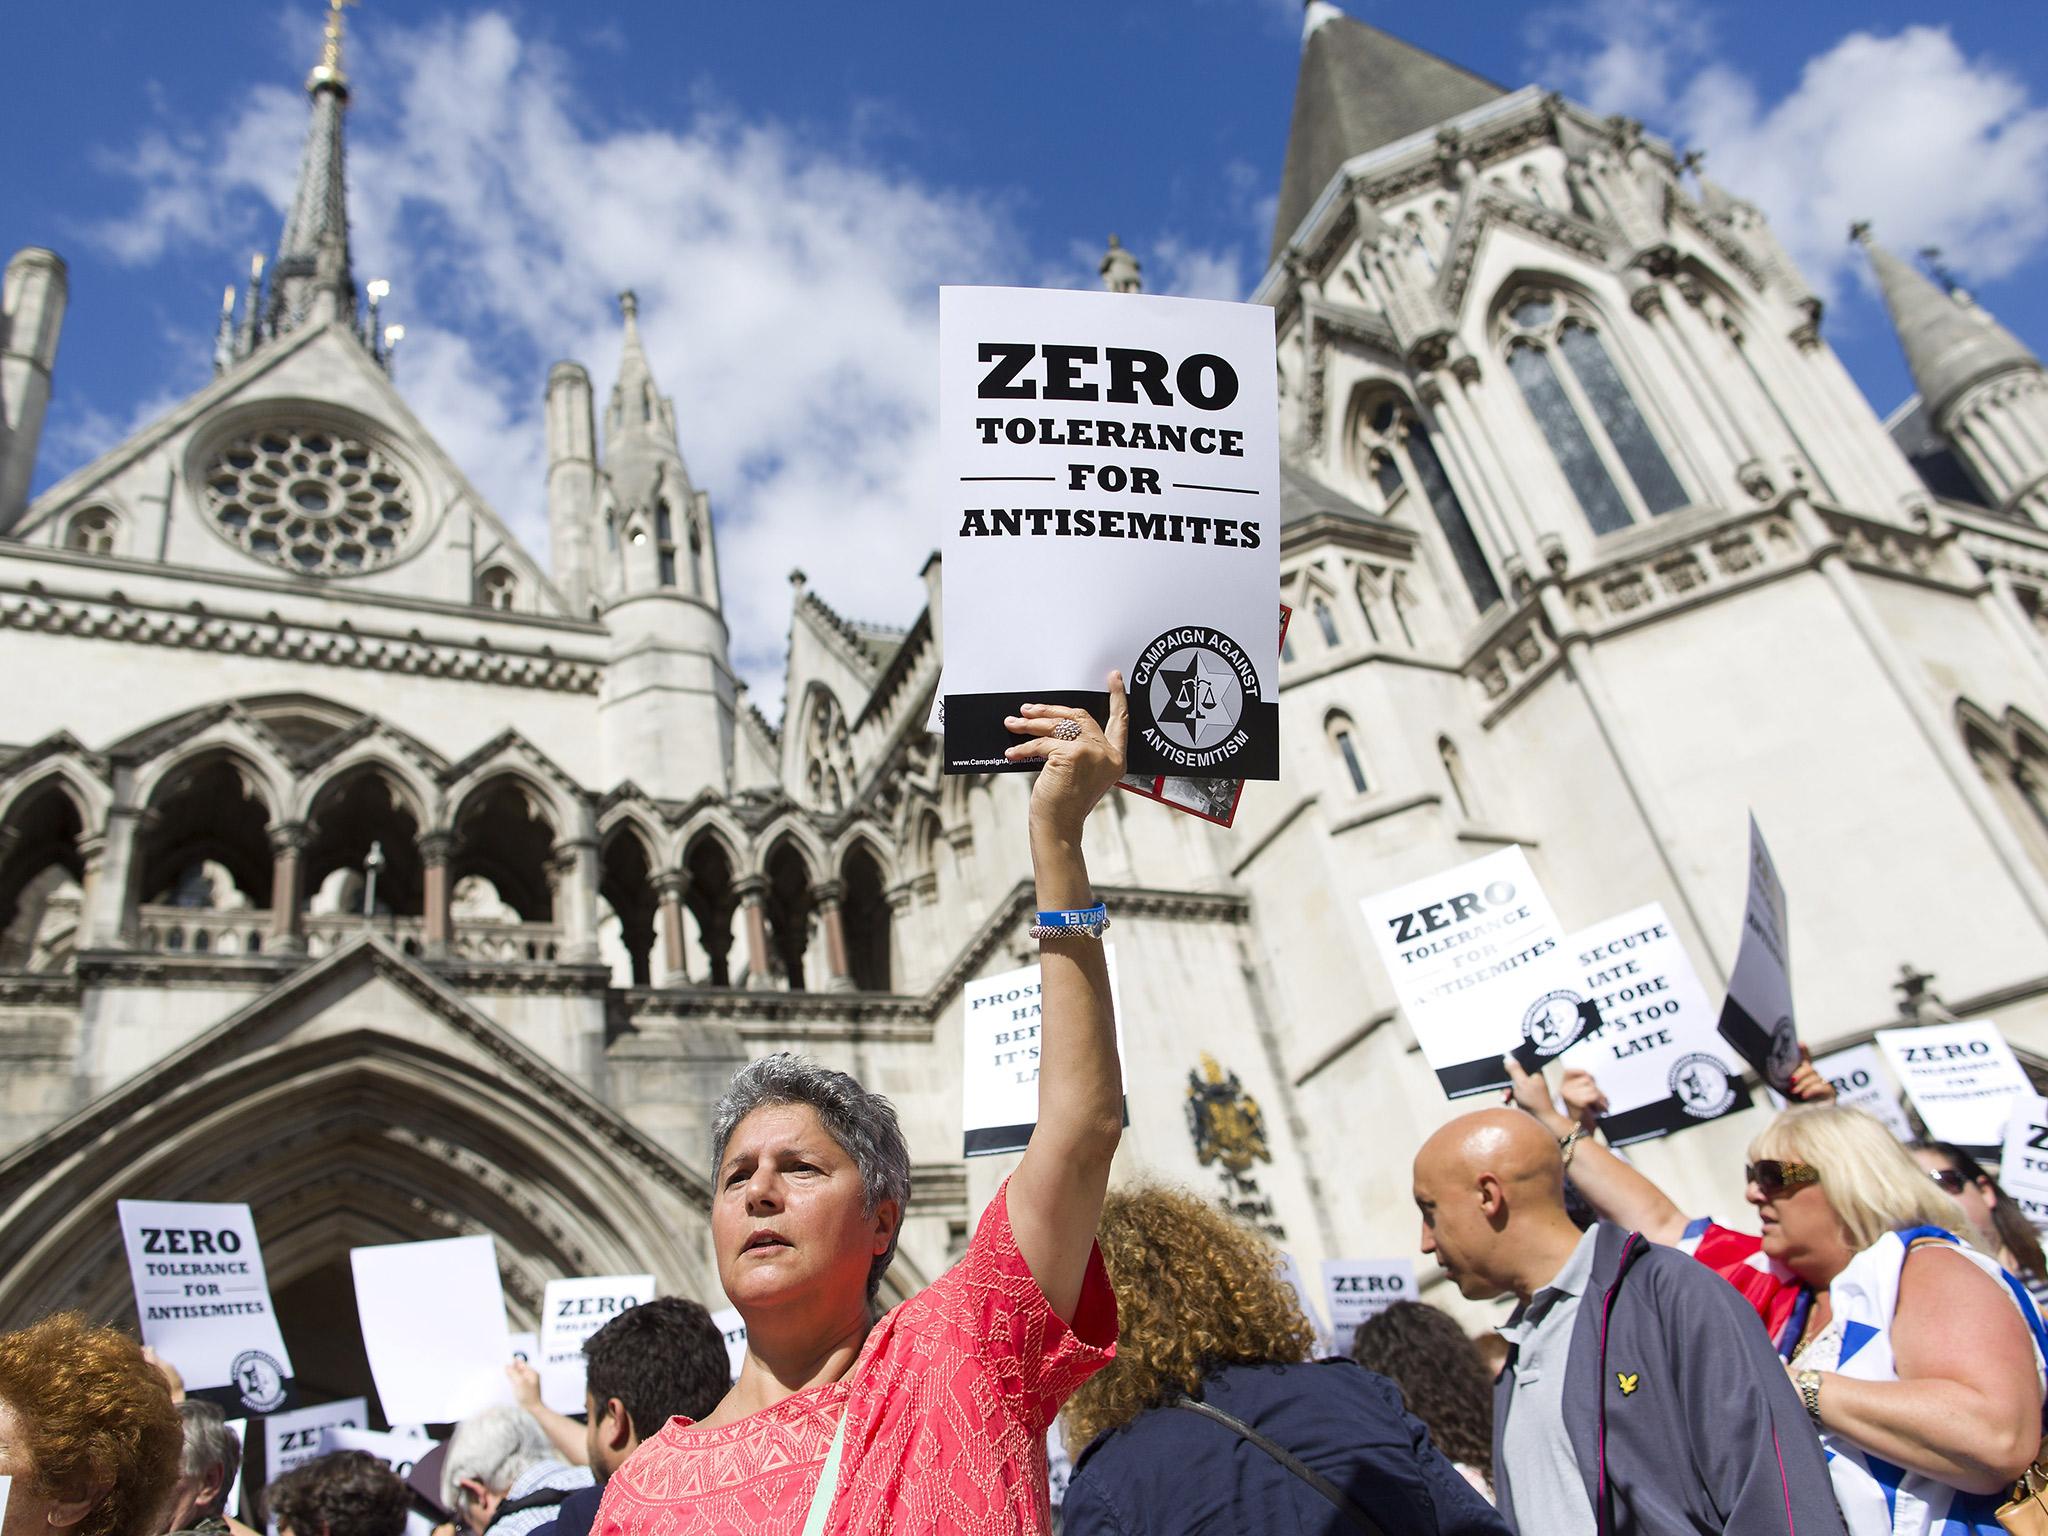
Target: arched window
(92,531)
(2015,765)
(1454,775)
(1532,184)
(1344,742)
(1287,647)
(1609,455)
(1419,244)
(497,588)
(665,543)
(1396,451)
(828,754)
(696,560)
(611,532)
(1326,621)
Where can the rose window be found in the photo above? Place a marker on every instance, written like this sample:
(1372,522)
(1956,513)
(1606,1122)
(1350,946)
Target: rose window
(318,502)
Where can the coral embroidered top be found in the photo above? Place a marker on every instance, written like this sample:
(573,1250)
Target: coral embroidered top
(947,1409)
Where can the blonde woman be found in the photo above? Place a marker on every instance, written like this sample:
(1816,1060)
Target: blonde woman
(1919,1360)
(1212,1420)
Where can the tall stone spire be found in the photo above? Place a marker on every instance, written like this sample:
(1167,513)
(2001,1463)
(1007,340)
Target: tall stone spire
(636,403)
(310,281)
(1950,343)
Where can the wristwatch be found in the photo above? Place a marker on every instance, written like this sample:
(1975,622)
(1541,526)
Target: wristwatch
(1808,1383)
(1568,1144)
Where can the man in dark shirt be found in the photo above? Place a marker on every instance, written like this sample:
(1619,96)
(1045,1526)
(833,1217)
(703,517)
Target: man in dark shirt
(651,1363)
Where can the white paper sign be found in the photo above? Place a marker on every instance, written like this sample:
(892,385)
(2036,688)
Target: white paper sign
(1122,451)
(999,1081)
(1290,1271)
(1357,1289)
(1860,1081)
(571,1311)
(6,1488)
(1962,1079)
(294,1438)
(240,1429)
(1480,966)
(204,1300)
(1657,1054)
(727,1320)
(399,1452)
(433,1323)
(2023,1168)
(1756,1018)
(526,1346)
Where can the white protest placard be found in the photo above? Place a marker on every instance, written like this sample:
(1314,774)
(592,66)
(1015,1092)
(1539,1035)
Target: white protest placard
(204,1300)
(999,1080)
(1361,1288)
(6,1488)
(1756,1018)
(727,1320)
(294,1438)
(1860,1081)
(1290,1271)
(1962,1078)
(233,1504)
(526,1346)
(1656,1053)
(1123,451)
(571,1311)
(1480,966)
(399,1452)
(433,1324)
(2023,1165)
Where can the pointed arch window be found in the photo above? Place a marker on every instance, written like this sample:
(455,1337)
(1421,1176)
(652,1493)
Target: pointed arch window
(1454,775)
(828,754)
(1595,429)
(1343,738)
(498,588)
(1326,621)
(93,531)
(1398,452)
(665,542)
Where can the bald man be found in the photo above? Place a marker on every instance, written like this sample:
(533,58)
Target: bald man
(1640,1396)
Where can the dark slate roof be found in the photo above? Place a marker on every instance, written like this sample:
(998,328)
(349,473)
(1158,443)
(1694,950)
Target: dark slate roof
(1302,497)
(1359,89)
(1933,458)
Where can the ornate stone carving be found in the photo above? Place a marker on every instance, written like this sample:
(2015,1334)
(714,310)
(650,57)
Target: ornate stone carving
(317,501)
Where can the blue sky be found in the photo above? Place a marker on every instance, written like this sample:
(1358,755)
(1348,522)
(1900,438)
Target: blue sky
(786,184)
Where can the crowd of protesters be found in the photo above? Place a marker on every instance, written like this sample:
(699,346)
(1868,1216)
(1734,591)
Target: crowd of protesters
(1872,1361)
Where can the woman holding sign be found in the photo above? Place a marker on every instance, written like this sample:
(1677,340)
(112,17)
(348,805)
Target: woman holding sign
(932,1417)
(1920,1362)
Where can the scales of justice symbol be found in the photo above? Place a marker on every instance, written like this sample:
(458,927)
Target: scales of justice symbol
(1197,704)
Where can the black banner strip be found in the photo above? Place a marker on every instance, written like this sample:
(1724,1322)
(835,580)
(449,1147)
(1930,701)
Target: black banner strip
(991,1139)
(1470,1077)
(976,735)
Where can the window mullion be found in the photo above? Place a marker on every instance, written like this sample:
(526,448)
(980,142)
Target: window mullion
(1596,429)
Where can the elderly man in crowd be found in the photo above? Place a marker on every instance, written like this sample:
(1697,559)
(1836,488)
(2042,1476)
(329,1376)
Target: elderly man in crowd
(1635,1397)
(206,1471)
(501,1476)
(344,1493)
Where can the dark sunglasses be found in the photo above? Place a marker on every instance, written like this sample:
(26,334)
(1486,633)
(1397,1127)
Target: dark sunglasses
(1948,1179)
(1773,1176)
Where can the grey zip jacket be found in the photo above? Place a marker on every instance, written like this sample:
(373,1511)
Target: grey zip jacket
(1679,1410)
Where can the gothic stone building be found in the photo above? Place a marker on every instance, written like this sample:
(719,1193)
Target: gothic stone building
(359,865)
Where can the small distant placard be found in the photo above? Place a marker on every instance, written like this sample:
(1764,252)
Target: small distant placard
(1860,1081)
(399,1452)
(572,1310)
(204,1301)
(727,1320)
(1290,1271)
(1358,1289)
(1656,1052)
(2023,1169)
(1122,452)
(526,1347)
(295,1438)
(1480,966)
(999,1082)
(1756,1018)
(1961,1078)
(433,1324)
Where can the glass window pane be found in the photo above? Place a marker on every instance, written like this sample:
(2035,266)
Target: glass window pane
(668,567)
(1566,434)
(1616,408)
(664,529)
(1386,474)
(1351,763)
(1450,516)
(1326,621)
(1534,313)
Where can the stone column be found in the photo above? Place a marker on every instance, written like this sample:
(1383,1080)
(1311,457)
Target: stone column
(674,970)
(1466,404)
(114,918)
(1454,445)
(436,849)
(576,882)
(752,891)
(1736,452)
(287,850)
(826,896)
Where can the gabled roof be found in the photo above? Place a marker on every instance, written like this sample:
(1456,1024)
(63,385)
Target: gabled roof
(1361,89)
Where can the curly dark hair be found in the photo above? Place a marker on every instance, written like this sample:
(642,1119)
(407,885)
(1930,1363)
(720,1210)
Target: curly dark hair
(95,1420)
(1442,1378)
(1195,1289)
(660,1359)
(344,1493)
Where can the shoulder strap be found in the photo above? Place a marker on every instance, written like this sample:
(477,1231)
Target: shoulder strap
(1343,1502)
(540,1498)
(828,1479)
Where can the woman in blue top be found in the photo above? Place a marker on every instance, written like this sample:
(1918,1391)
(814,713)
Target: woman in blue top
(1204,1317)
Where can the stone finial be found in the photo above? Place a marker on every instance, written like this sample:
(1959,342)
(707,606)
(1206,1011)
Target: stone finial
(1119,269)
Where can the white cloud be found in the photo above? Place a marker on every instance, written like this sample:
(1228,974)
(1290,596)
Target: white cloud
(1905,130)
(1196,272)
(786,294)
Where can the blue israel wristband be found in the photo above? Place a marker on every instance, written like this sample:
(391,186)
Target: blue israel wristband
(1079,917)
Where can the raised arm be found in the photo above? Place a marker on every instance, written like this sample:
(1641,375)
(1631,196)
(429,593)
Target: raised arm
(563,1432)
(1615,1190)
(1055,1196)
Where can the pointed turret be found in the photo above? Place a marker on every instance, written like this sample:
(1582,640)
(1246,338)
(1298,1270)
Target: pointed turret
(310,281)
(1950,343)
(657,525)
(1360,89)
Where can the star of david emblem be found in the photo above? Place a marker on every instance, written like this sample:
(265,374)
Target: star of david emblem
(1195,700)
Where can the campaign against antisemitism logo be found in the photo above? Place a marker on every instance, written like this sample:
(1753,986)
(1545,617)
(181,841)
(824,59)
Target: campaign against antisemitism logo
(1552,1022)
(260,1380)
(1702,1087)
(1784,1051)
(1189,693)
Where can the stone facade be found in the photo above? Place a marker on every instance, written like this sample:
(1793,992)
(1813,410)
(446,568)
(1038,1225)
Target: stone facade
(1592,545)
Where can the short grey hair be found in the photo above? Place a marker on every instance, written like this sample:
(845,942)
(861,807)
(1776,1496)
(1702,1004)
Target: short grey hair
(496,1447)
(209,1443)
(863,1123)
